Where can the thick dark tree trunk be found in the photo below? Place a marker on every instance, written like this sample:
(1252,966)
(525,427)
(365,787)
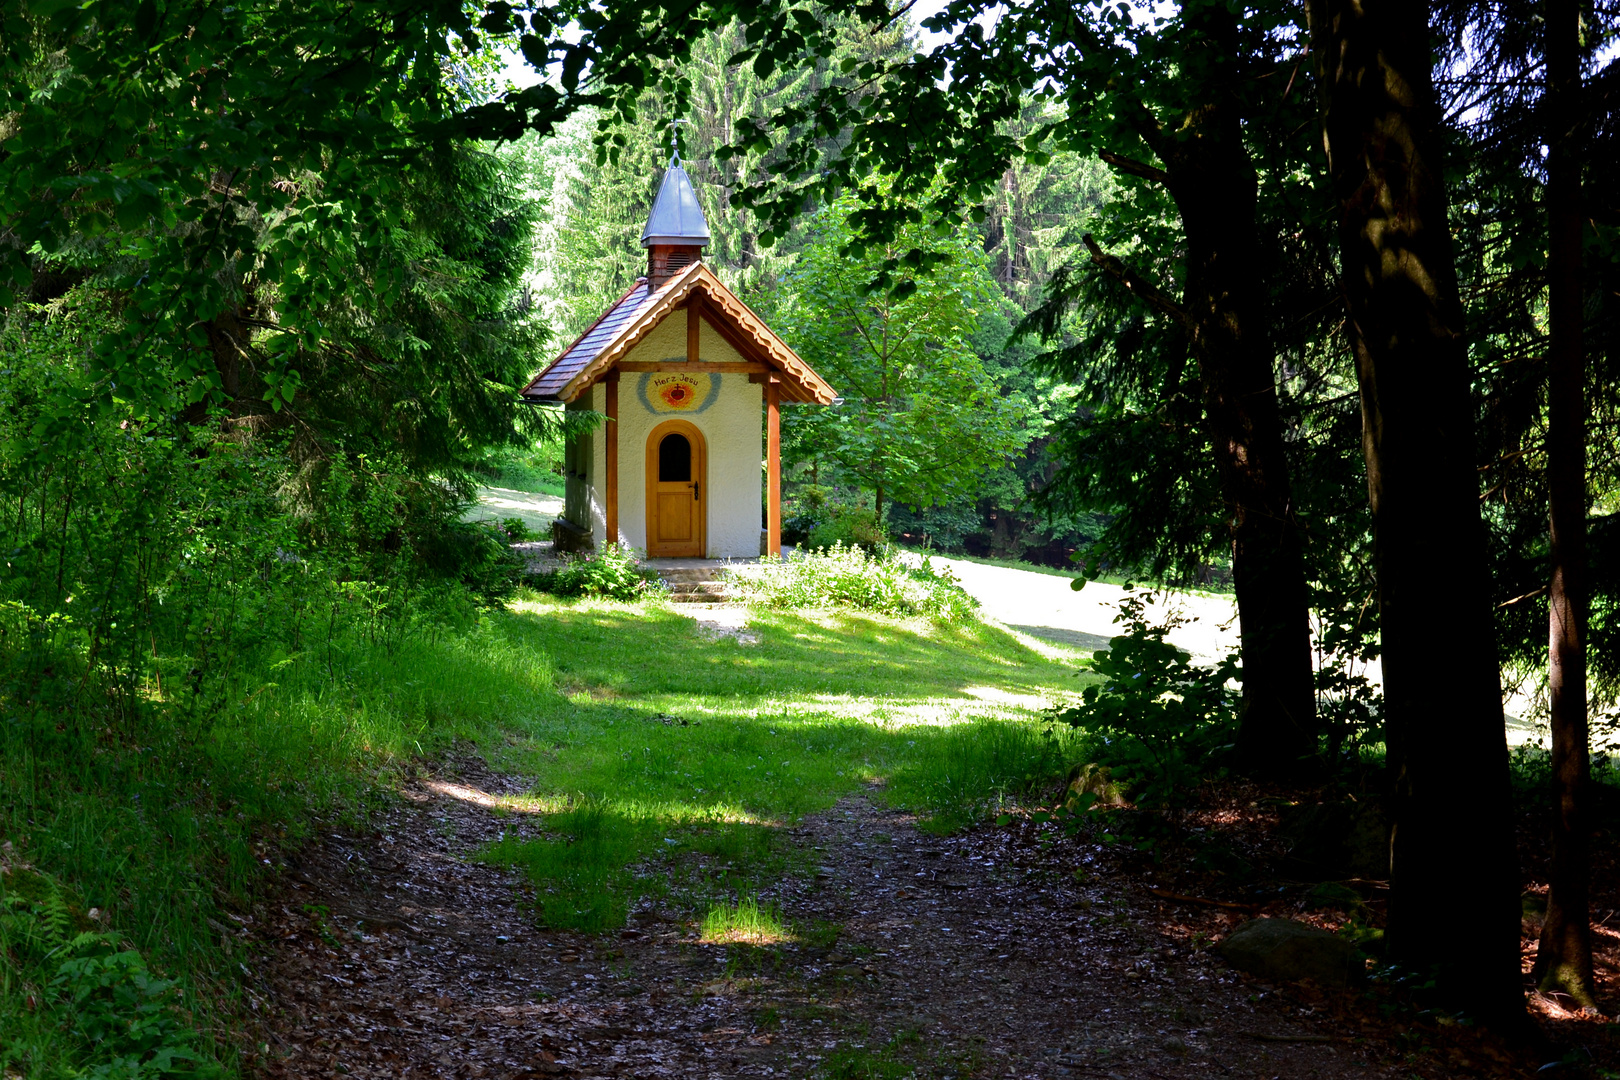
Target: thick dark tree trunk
(1454,906)
(1215,190)
(1210,174)
(1564,956)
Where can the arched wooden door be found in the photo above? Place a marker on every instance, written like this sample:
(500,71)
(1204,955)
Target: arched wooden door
(677,479)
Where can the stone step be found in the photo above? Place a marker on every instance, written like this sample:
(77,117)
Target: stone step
(690,573)
(697,592)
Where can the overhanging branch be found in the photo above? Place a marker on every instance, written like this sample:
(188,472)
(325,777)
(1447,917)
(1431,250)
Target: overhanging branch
(1137,284)
(1135,168)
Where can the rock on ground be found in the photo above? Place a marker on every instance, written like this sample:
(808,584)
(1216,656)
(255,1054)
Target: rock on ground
(1286,951)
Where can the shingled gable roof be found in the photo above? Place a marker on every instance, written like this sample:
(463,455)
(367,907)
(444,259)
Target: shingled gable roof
(634,315)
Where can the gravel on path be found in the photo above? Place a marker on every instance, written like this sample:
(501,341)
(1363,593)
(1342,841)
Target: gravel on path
(395,953)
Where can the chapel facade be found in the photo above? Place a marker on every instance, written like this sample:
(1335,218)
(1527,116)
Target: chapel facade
(690,382)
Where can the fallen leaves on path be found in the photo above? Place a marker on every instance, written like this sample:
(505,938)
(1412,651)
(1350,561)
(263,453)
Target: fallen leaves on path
(999,952)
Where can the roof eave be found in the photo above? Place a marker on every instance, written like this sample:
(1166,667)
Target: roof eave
(675,241)
(610,309)
(808,385)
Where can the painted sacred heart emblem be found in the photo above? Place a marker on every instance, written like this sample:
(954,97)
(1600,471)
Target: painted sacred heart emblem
(675,392)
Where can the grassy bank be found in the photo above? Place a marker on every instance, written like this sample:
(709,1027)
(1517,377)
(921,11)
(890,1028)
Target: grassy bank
(149,830)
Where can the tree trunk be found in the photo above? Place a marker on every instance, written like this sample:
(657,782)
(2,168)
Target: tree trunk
(1564,955)
(1277,731)
(1213,180)
(1454,907)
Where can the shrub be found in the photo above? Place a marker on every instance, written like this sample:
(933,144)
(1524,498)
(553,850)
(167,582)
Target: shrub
(850,577)
(616,573)
(480,554)
(802,513)
(851,526)
(516,530)
(1157,719)
(108,1012)
(816,519)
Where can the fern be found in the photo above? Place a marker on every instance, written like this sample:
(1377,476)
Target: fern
(55,916)
(37,915)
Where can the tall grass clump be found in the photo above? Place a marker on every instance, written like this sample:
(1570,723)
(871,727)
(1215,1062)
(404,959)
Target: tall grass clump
(963,773)
(850,577)
(745,922)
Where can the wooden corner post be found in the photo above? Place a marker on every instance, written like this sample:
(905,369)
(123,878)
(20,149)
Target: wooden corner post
(773,465)
(610,486)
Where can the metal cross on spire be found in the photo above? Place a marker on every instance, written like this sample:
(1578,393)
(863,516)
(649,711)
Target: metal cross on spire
(674,142)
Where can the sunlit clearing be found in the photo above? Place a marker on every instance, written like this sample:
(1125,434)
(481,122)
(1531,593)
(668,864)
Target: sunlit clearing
(744,923)
(936,712)
(1007,697)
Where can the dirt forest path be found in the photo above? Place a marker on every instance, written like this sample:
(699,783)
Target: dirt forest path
(396,954)
(1044,606)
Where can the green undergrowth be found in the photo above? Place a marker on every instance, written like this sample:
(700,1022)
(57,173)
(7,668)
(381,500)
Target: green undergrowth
(164,822)
(904,1056)
(537,470)
(616,572)
(676,764)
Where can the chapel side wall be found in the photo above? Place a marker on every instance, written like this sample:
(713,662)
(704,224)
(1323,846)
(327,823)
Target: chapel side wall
(596,479)
(733,428)
(577,457)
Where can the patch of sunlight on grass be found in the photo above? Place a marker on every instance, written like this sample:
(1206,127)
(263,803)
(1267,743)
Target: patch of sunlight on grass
(936,712)
(517,804)
(676,765)
(1035,702)
(1047,650)
(746,922)
(689,813)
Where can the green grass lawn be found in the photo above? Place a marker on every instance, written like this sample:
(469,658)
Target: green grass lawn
(521,477)
(670,762)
